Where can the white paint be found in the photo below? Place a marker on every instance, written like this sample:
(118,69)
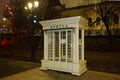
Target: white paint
(63,51)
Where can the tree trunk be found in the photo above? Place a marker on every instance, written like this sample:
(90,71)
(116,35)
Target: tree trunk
(106,23)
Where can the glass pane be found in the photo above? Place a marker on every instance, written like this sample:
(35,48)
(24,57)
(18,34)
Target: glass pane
(56,45)
(50,45)
(63,45)
(63,54)
(69,44)
(60,45)
(79,34)
(79,51)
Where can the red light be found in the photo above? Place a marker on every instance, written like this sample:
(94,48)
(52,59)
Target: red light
(4,42)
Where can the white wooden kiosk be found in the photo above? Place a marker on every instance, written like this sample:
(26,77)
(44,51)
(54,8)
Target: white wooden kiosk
(64,45)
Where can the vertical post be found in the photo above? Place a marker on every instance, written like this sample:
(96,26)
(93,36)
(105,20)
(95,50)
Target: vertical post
(73,46)
(53,45)
(45,46)
(82,44)
(76,45)
(59,46)
(66,46)
(66,42)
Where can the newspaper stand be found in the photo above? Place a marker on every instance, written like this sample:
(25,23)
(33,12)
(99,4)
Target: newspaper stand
(64,45)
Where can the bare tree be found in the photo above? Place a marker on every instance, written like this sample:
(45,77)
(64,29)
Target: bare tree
(106,10)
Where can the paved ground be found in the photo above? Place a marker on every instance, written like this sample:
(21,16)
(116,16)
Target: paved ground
(20,70)
(10,67)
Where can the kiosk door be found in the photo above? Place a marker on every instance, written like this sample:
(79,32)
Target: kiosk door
(60,47)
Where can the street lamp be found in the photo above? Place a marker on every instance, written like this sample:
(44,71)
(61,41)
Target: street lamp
(36,3)
(4,19)
(33,20)
(31,5)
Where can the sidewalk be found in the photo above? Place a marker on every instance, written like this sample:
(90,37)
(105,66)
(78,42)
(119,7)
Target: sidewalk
(34,73)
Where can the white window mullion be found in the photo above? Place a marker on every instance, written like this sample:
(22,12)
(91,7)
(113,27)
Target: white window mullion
(71,45)
(66,46)
(66,50)
(82,44)
(53,46)
(45,45)
(59,46)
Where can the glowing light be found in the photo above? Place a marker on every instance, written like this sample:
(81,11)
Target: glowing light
(25,8)
(4,19)
(36,3)
(30,5)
